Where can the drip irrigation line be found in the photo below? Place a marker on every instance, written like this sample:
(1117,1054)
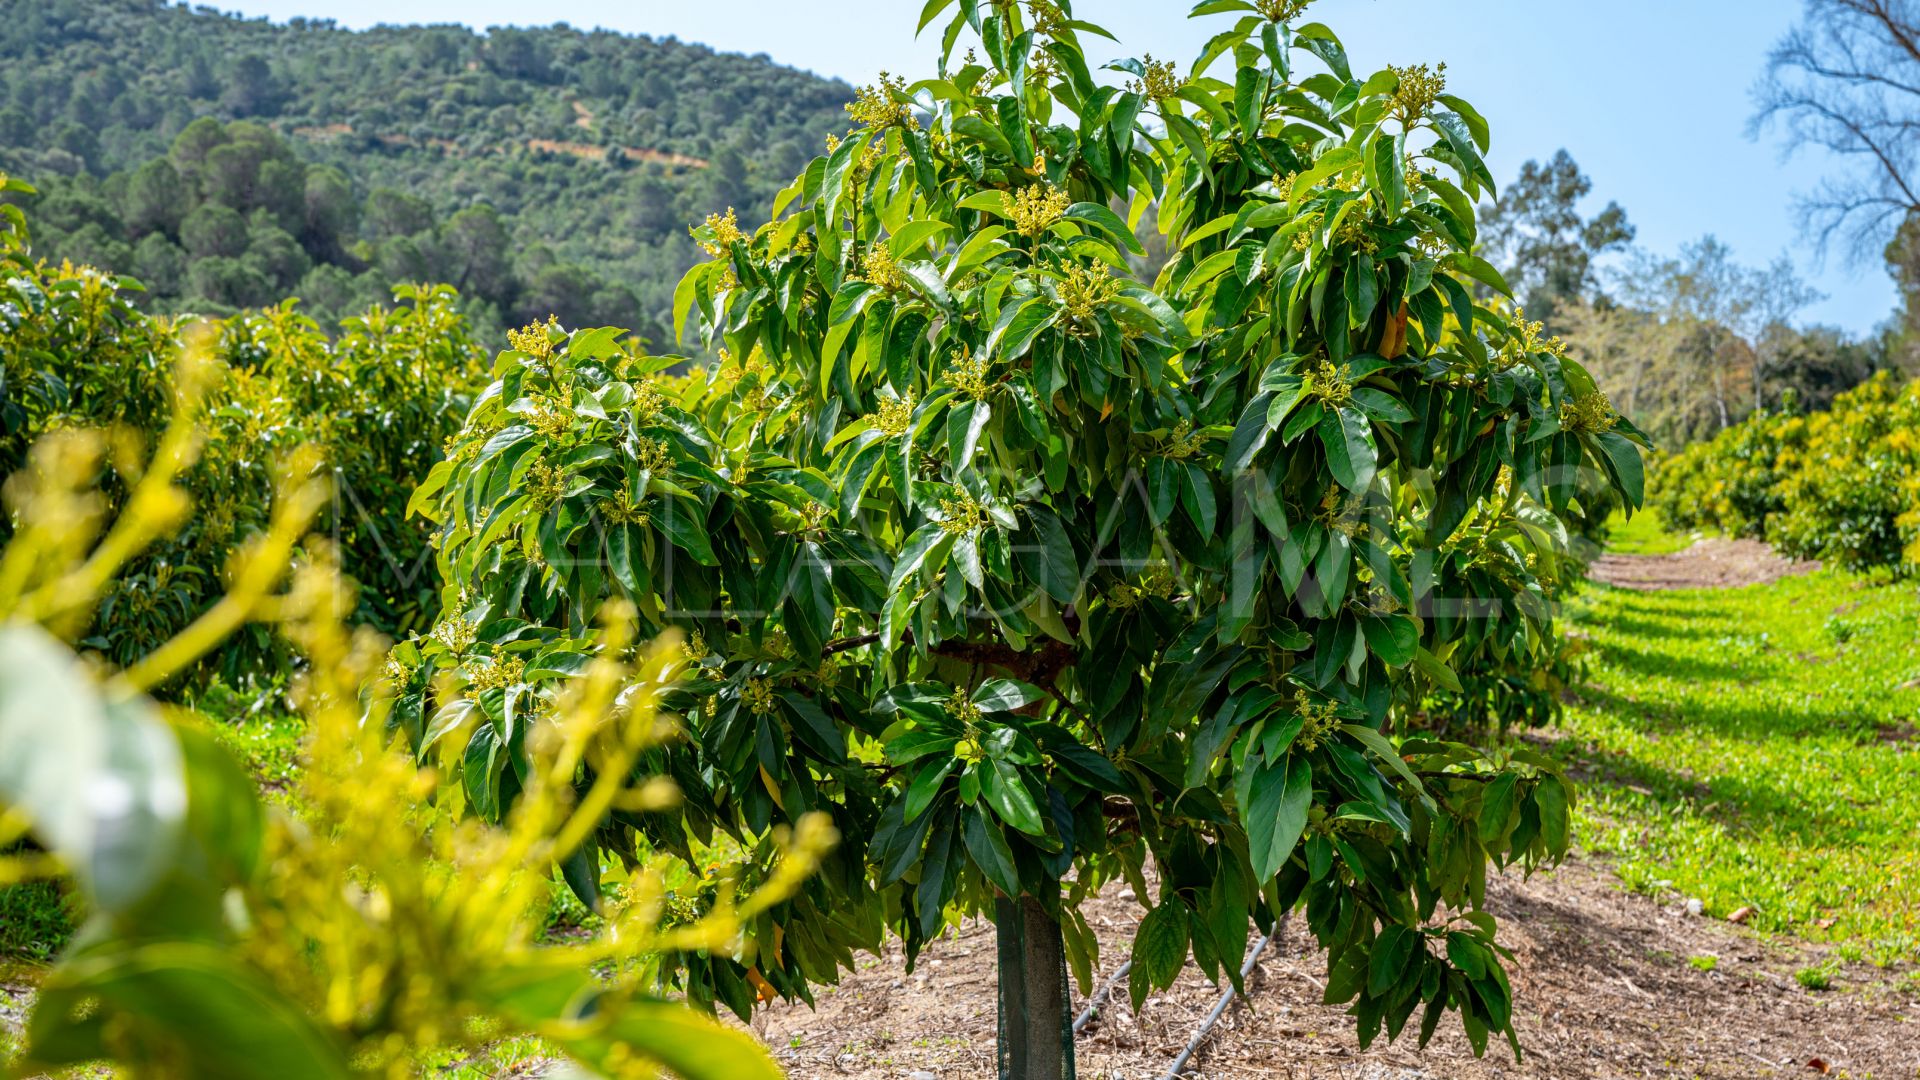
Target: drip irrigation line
(1180,1063)
(1099,996)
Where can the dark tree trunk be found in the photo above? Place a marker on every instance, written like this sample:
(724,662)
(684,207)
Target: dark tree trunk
(1036,1021)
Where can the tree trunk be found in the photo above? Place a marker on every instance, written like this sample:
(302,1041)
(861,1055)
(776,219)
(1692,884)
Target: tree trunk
(1036,1021)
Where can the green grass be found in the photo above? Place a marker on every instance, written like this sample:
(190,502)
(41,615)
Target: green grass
(1757,746)
(36,919)
(1643,534)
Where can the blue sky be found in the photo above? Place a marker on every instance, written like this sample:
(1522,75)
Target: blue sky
(1650,96)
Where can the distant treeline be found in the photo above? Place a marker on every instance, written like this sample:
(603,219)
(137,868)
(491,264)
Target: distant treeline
(542,170)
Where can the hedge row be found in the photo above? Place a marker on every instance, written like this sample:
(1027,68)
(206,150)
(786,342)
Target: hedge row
(1842,486)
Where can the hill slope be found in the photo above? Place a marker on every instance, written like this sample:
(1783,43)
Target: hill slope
(586,153)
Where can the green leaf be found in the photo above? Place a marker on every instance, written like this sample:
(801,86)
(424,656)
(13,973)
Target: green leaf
(1393,638)
(1480,270)
(1006,695)
(102,784)
(993,201)
(596,344)
(1046,555)
(931,12)
(1496,808)
(1381,406)
(914,553)
(1249,435)
(1391,952)
(1383,749)
(604,1030)
(1017,327)
(1104,219)
(684,524)
(1627,469)
(1009,797)
(849,301)
(225,1021)
(1159,950)
(1437,670)
(1348,438)
(914,235)
(581,871)
(988,849)
(926,784)
(814,727)
(1277,814)
(965,424)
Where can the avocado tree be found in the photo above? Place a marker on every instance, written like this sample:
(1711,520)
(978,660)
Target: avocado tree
(1030,572)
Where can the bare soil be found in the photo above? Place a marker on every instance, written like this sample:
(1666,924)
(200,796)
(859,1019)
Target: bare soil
(1602,979)
(1711,563)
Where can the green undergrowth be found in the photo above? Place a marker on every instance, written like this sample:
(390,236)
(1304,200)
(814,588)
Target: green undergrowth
(1756,747)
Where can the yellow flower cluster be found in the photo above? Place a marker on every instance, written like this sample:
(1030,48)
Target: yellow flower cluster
(695,647)
(1342,513)
(874,106)
(1280,10)
(1309,225)
(1419,88)
(1048,19)
(1157,582)
(1183,443)
(968,374)
(647,399)
(758,696)
(1319,721)
(550,421)
(1085,290)
(1354,234)
(894,416)
(1037,206)
(961,515)
(1589,413)
(1330,384)
(880,270)
(1160,81)
(496,672)
(725,230)
(546,484)
(619,513)
(535,339)
(457,633)
(653,455)
(397,672)
(961,707)
(1523,340)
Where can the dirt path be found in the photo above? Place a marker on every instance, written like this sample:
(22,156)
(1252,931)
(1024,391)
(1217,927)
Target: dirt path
(1602,979)
(1711,563)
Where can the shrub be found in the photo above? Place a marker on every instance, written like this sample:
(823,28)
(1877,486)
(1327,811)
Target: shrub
(368,928)
(378,400)
(1026,571)
(1841,485)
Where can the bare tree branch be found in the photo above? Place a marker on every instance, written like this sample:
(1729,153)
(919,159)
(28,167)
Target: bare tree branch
(1847,80)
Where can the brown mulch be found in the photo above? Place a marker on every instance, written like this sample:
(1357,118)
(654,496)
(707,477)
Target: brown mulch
(1602,980)
(1711,563)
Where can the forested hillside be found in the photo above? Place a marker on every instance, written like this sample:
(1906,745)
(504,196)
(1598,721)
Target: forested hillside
(229,162)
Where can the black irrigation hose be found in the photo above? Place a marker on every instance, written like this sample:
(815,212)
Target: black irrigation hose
(1180,1063)
(1100,995)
